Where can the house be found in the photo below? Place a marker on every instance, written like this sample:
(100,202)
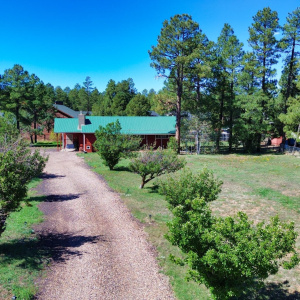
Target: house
(79,133)
(62,111)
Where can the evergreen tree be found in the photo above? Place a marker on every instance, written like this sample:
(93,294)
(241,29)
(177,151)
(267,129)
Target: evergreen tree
(174,53)
(290,42)
(88,88)
(74,98)
(228,64)
(291,119)
(266,50)
(138,106)
(265,46)
(17,90)
(37,109)
(199,77)
(61,95)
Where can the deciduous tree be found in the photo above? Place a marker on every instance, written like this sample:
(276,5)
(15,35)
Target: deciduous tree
(153,163)
(18,165)
(112,145)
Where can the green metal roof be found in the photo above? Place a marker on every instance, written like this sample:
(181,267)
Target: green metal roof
(130,125)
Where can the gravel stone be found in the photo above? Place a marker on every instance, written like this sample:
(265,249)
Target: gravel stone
(98,250)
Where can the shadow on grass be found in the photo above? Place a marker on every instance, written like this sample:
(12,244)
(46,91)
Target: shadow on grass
(54,198)
(50,176)
(121,168)
(152,189)
(278,291)
(35,252)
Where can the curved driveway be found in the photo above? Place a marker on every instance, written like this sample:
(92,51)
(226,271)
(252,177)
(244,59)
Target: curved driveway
(99,251)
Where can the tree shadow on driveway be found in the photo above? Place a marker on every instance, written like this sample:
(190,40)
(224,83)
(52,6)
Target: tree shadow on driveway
(37,251)
(54,198)
(61,198)
(51,176)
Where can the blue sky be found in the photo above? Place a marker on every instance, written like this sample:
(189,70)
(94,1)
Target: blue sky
(63,41)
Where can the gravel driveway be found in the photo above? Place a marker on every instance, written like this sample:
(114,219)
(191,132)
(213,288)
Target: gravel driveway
(99,250)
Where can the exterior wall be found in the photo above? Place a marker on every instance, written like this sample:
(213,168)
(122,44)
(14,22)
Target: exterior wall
(156,140)
(60,114)
(89,141)
(87,145)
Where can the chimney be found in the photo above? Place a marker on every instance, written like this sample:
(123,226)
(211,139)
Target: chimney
(81,120)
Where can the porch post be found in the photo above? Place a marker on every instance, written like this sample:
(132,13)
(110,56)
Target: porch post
(83,142)
(63,140)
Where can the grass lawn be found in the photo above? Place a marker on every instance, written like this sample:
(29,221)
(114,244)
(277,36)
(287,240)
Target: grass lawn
(45,144)
(262,186)
(21,260)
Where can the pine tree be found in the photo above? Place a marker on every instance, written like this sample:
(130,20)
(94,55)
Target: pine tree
(173,54)
(266,50)
(138,106)
(16,91)
(290,42)
(228,64)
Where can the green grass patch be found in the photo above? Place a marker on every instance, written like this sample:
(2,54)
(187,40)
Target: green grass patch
(252,183)
(21,260)
(45,144)
(289,202)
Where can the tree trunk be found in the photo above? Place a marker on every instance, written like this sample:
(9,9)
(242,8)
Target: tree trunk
(220,121)
(178,115)
(290,76)
(3,217)
(34,127)
(17,117)
(143,182)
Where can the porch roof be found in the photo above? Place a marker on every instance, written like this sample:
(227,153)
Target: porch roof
(130,125)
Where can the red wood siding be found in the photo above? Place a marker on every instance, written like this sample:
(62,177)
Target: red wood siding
(89,141)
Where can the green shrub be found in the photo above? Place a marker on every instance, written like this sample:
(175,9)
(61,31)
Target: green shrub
(229,255)
(153,163)
(181,187)
(172,144)
(17,167)
(112,145)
